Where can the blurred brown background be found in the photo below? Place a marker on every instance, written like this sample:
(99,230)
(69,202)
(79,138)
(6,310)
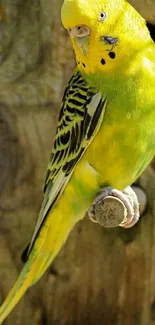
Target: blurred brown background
(101,276)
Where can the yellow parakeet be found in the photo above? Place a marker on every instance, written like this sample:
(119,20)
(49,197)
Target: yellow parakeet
(106,128)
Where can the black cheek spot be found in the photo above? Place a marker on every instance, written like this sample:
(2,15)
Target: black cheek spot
(83,64)
(103,62)
(78,62)
(112,55)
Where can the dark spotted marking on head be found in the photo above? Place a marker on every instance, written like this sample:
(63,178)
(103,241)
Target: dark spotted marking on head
(83,64)
(112,55)
(103,62)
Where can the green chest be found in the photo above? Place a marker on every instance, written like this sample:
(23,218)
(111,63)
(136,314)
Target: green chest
(125,143)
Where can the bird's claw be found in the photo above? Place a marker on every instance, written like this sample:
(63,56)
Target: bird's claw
(114,208)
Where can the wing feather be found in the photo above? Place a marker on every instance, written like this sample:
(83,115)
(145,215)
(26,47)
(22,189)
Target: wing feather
(80,117)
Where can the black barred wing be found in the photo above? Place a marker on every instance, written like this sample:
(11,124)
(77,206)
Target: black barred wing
(80,117)
(72,122)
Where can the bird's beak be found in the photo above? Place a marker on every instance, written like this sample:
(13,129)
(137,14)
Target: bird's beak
(80,34)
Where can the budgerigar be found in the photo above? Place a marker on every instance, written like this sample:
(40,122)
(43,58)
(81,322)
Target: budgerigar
(106,129)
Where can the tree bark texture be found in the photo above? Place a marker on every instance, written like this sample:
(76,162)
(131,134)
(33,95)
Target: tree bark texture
(101,276)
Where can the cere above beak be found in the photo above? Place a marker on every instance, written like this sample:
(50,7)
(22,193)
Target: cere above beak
(79,31)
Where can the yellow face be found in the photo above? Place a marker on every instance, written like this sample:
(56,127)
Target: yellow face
(77,12)
(102,32)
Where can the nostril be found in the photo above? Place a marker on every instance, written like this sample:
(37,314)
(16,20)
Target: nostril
(69,30)
(80,31)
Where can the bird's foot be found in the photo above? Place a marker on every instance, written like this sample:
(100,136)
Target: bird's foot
(114,208)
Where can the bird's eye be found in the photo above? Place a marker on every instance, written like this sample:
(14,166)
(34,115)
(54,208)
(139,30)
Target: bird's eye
(102,16)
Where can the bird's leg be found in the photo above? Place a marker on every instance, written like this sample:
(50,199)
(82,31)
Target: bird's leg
(114,208)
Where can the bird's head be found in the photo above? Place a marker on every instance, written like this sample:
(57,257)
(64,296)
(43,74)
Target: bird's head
(102,32)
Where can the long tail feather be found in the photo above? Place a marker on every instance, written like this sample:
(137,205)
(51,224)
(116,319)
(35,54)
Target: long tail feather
(70,208)
(43,253)
(18,290)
